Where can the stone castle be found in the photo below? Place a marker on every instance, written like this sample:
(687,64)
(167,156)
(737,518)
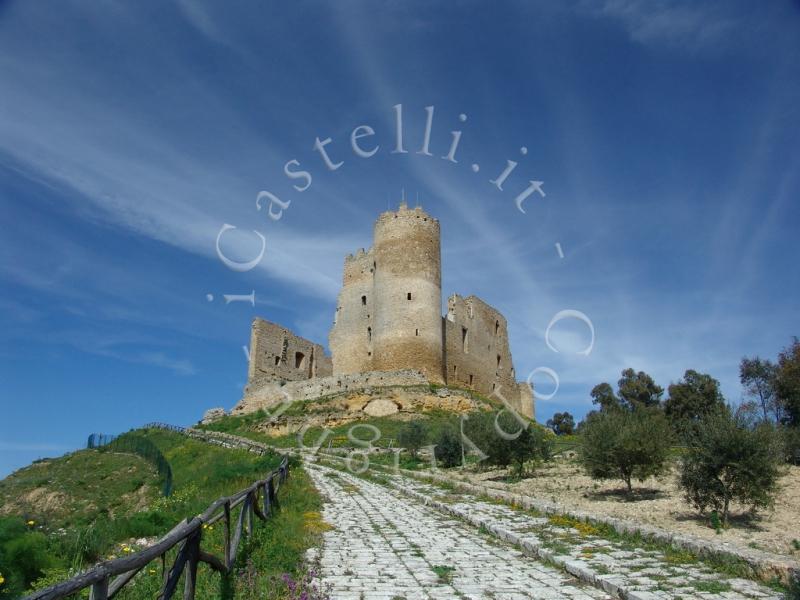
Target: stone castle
(388,330)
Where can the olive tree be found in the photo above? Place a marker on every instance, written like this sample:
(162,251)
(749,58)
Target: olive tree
(625,444)
(731,462)
(412,437)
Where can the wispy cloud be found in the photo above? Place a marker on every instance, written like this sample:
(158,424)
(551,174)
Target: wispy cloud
(686,25)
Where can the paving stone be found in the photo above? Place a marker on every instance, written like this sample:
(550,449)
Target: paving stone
(611,566)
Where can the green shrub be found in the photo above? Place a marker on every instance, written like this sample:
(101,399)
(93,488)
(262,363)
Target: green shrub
(791,444)
(504,441)
(412,437)
(728,463)
(447,448)
(625,444)
(24,556)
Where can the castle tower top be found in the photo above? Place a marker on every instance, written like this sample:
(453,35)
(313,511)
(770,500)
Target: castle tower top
(404,212)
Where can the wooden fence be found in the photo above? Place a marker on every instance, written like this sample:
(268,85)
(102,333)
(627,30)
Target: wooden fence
(108,578)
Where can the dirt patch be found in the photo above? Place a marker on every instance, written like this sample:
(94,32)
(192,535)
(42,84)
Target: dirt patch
(38,500)
(659,502)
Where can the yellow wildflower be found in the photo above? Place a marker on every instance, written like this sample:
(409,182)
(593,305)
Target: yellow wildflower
(2,580)
(31,523)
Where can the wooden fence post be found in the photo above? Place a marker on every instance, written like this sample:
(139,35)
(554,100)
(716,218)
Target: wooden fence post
(99,590)
(193,556)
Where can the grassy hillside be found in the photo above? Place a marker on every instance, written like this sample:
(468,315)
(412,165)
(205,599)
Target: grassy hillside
(78,488)
(64,514)
(388,427)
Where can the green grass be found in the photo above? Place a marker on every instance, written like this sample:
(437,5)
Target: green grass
(444,573)
(274,552)
(79,487)
(107,498)
(388,427)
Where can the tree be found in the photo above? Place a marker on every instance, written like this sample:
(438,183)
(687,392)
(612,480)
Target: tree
(758,379)
(787,383)
(638,389)
(728,462)
(691,399)
(562,423)
(506,442)
(412,437)
(447,450)
(603,395)
(625,445)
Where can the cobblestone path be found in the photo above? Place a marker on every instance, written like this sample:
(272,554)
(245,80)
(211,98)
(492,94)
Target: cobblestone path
(389,542)
(387,546)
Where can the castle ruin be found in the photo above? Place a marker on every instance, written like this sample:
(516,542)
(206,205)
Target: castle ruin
(388,329)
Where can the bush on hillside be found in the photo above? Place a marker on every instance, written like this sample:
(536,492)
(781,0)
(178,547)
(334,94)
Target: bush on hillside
(505,441)
(412,437)
(625,444)
(447,449)
(24,556)
(729,462)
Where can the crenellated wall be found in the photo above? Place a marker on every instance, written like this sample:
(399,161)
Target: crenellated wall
(408,293)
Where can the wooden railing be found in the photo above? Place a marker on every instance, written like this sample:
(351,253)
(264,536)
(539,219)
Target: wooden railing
(108,578)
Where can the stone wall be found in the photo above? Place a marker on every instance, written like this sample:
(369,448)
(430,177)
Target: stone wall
(276,354)
(477,354)
(266,395)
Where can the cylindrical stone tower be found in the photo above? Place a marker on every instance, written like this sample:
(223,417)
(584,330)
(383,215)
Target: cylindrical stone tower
(350,340)
(407,321)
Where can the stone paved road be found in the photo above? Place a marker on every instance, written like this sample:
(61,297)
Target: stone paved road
(389,542)
(387,546)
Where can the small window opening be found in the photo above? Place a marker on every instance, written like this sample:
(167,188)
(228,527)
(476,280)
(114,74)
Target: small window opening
(408,296)
(416,332)
(496,327)
(498,361)
(277,360)
(493,386)
(464,339)
(455,372)
(299,360)
(470,378)
(363,300)
(369,334)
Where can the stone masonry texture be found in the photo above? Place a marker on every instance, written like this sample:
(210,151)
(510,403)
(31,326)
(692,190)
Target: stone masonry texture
(389,319)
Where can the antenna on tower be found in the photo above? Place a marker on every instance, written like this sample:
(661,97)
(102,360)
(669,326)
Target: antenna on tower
(403,194)
(417,198)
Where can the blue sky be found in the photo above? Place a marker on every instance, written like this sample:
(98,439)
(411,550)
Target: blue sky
(666,135)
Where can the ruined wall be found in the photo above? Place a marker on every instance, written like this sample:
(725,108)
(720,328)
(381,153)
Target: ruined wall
(276,354)
(477,353)
(350,339)
(407,330)
(266,394)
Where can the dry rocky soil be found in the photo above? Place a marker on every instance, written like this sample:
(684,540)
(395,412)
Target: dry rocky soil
(660,503)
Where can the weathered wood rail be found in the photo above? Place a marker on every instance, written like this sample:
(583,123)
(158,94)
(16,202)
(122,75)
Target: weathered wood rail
(107,578)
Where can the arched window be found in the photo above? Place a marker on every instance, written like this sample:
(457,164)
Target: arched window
(369,334)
